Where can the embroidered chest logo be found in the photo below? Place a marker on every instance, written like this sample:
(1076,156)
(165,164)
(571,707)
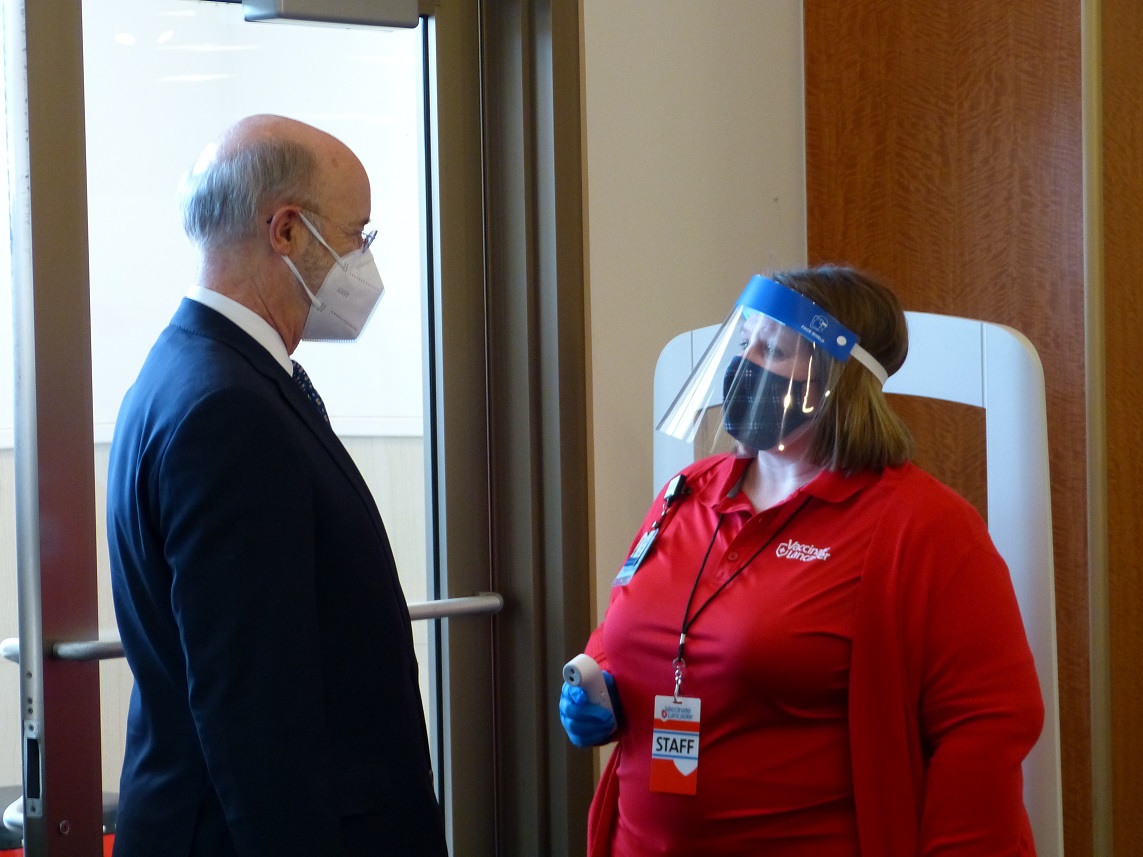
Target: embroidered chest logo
(791,549)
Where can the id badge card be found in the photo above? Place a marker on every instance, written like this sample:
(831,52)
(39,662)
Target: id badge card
(636,559)
(675,745)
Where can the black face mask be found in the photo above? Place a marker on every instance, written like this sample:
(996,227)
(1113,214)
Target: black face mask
(753,407)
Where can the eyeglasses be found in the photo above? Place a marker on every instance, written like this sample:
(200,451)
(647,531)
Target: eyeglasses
(367,238)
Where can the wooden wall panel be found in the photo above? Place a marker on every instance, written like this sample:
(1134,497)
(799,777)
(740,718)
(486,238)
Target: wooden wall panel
(1122,84)
(944,153)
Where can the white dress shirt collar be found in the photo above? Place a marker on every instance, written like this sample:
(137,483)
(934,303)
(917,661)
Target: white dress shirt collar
(252,323)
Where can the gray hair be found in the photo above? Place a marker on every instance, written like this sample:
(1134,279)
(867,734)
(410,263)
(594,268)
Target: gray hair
(228,192)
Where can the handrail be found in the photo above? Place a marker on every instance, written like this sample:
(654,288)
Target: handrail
(482,604)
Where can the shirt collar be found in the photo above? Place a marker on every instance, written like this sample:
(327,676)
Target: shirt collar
(718,485)
(253,324)
(833,486)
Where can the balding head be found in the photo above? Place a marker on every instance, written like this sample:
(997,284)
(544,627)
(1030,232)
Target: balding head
(250,203)
(258,164)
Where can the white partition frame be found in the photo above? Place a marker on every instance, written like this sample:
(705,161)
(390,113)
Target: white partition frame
(987,366)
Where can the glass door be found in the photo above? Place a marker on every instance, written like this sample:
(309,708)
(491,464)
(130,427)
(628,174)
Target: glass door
(164,77)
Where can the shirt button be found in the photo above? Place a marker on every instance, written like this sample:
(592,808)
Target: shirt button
(732,556)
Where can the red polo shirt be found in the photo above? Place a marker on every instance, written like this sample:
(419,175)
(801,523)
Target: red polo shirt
(777,602)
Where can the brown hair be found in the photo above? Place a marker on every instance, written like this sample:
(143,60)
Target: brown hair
(857,429)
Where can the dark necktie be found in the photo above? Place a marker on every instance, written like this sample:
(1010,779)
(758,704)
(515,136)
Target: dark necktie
(303,381)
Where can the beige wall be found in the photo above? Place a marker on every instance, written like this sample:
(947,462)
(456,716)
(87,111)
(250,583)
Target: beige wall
(693,132)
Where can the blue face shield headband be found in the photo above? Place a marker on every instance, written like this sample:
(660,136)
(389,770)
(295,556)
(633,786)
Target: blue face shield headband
(800,314)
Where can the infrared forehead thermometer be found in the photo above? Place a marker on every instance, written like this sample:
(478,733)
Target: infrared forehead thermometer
(583,671)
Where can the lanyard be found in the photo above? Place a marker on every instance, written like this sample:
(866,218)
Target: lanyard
(688,620)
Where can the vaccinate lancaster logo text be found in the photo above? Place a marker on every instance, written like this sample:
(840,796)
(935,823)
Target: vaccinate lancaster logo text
(791,549)
(676,712)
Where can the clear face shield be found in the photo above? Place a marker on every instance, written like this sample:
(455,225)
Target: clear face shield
(766,375)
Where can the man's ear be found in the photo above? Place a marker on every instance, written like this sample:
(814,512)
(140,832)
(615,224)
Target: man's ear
(287,232)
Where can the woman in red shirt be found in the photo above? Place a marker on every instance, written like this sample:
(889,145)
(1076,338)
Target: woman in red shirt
(813,647)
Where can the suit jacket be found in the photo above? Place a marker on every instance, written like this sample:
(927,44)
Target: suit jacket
(276,709)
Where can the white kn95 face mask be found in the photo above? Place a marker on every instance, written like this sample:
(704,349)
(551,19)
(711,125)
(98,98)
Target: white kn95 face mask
(346,298)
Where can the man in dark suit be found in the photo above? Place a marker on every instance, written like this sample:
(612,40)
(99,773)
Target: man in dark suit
(276,709)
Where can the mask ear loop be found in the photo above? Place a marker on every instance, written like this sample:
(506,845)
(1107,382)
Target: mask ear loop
(317,235)
(294,268)
(297,275)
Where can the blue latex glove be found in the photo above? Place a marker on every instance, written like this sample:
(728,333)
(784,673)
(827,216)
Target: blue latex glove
(588,724)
